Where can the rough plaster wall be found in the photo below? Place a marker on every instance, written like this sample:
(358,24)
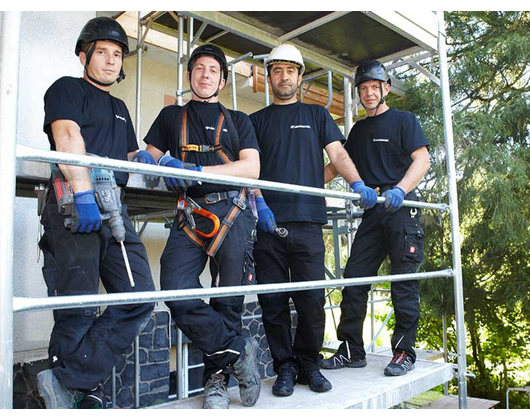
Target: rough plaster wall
(47,43)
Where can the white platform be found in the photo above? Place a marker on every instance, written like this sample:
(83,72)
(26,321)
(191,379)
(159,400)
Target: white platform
(352,388)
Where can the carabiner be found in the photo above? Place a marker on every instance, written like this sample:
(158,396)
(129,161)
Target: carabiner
(185,202)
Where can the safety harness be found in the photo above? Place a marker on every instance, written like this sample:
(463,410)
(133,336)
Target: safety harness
(211,245)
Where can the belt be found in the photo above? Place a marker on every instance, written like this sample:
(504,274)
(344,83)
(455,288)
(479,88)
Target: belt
(213,198)
(382,188)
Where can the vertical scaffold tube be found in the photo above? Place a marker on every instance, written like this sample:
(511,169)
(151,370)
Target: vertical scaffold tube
(453,205)
(180,65)
(139,77)
(9,66)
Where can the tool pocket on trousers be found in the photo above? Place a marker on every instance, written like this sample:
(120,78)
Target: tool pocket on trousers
(413,244)
(249,267)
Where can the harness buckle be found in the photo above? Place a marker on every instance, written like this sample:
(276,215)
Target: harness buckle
(240,203)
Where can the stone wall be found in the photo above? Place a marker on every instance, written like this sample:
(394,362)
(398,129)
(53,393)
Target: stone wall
(157,383)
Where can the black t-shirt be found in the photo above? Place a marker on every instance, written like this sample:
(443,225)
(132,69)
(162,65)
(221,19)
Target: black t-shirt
(292,138)
(202,123)
(381,146)
(104,120)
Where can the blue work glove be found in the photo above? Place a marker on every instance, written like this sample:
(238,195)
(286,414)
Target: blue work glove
(143,156)
(266,220)
(394,199)
(368,195)
(88,212)
(177,184)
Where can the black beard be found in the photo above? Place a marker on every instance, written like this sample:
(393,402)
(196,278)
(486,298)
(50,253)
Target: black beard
(284,96)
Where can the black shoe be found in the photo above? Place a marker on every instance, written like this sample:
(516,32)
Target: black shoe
(315,380)
(286,380)
(339,360)
(401,363)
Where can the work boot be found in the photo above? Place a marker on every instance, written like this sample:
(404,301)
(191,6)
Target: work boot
(215,392)
(247,374)
(339,361)
(55,395)
(315,380)
(401,363)
(286,380)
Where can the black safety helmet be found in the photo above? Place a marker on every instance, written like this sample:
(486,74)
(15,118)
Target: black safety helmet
(102,29)
(371,70)
(212,51)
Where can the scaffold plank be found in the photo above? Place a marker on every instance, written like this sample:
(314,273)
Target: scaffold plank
(352,388)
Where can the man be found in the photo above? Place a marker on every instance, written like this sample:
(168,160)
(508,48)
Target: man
(82,117)
(216,141)
(292,137)
(390,151)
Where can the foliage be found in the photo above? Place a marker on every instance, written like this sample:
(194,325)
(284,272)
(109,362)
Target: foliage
(489,61)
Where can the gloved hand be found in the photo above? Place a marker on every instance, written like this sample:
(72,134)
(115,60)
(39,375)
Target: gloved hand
(368,195)
(88,212)
(394,199)
(177,184)
(266,220)
(143,156)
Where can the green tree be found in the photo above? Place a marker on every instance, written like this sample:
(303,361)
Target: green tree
(489,65)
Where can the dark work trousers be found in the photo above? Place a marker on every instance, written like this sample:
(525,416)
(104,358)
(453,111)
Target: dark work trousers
(84,348)
(400,236)
(297,257)
(215,328)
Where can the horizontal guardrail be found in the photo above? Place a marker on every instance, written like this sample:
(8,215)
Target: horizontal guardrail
(21,304)
(48,156)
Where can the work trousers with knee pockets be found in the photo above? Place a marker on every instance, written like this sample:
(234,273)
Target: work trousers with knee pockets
(84,348)
(297,257)
(400,236)
(214,327)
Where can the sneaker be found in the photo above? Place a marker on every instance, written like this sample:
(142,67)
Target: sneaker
(91,400)
(339,360)
(315,380)
(54,394)
(286,380)
(247,374)
(401,363)
(215,393)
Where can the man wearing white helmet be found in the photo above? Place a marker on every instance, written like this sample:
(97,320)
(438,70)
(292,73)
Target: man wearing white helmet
(292,136)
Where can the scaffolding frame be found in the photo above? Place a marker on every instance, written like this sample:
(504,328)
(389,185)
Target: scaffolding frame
(9,68)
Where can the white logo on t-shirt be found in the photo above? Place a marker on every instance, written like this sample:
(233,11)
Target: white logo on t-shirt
(213,129)
(381,140)
(300,126)
(120,118)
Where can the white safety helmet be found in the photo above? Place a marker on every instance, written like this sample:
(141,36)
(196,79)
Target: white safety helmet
(285,53)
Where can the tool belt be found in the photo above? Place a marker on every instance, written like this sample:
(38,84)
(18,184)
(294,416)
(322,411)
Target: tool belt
(210,243)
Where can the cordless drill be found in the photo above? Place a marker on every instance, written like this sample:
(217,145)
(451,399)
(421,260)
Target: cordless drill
(108,199)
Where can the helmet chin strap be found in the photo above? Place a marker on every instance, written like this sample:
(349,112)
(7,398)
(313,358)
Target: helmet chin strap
(97,82)
(381,101)
(205,98)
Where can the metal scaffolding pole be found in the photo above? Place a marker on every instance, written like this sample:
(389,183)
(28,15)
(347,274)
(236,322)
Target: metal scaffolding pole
(9,66)
(453,205)
(139,52)
(180,64)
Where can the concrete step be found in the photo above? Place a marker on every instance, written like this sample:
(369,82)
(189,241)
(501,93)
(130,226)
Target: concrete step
(352,388)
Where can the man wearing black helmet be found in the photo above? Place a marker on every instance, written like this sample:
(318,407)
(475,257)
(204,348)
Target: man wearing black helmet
(391,154)
(217,141)
(82,117)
